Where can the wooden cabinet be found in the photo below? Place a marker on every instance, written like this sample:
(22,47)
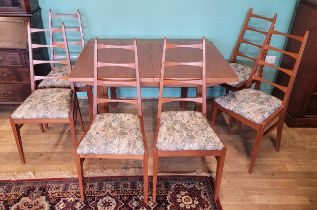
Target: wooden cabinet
(302,110)
(15,84)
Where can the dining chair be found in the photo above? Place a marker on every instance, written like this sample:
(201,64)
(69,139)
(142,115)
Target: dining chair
(185,133)
(243,71)
(51,105)
(257,109)
(75,32)
(115,135)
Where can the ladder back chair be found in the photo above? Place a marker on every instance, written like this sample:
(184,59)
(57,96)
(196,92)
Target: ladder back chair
(257,109)
(75,32)
(115,135)
(241,70)
(185,133)
(51,105)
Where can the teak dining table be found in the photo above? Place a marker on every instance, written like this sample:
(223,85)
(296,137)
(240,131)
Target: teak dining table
(150,55)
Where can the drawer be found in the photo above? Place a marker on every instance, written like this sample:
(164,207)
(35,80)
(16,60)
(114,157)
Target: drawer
(12,58)
(14,75)
(14,92)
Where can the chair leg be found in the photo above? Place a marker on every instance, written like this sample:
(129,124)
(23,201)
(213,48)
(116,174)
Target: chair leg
(113,95)
(90,103)
(279,135)
(146,177)
(230,124)
(184,91)
(80,118)
(155,166)
(17,137)
(198,106)
(256,147)
(80,173)
(73,133)
(42,128)
(214,114)
(220,165)
(46,126)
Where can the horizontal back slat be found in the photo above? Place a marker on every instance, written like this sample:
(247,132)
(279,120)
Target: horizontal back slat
(34,46)
(49,77)
(59,15)
(261,17)
(256,30)
(286,71)
(116,83)
(293,55)
(128,101)
(170,64)
(282,88)
(251,43)
(240,54)
(195,46)
(126,65)
(169,100)
(107,46)
(298,38)
(36,62)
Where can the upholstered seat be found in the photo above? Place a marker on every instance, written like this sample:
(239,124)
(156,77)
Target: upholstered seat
(113,133)
(186,130)
(252,104)
(58,71)
(243,72)
(45,103)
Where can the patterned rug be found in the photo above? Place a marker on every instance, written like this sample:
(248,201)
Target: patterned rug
(174,192)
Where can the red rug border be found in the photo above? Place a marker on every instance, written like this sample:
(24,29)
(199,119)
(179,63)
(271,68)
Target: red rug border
(111,177)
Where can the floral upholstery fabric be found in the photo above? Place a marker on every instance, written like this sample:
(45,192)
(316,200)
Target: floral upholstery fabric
(45,103)
(252,104)
(186,130)
(113,133)
(58,71)
(243,72)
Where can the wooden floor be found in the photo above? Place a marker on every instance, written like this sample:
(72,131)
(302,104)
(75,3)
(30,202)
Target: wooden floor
(285,180)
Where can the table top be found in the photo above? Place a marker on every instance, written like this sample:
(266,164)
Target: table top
(150,56)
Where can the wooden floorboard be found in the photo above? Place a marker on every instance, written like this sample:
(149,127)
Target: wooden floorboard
(281,180)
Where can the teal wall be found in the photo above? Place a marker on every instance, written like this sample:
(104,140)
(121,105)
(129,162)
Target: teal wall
(218,20)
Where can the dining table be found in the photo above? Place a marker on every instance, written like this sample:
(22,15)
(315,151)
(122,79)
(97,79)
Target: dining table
(150,53)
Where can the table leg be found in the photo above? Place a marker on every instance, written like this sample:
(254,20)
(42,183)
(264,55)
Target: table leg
(184,91)
(113,95)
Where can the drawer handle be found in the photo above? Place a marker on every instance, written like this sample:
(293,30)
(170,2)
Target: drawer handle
(4,76)
(6,94)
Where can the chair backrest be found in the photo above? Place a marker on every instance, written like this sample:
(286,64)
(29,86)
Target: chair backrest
(77,27)
(297,56)
(174,82)
(33,46)
(108,82)
(242,40)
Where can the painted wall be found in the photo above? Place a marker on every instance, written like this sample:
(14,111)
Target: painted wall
(218,20)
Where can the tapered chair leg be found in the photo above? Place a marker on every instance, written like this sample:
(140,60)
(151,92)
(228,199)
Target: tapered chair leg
(90,103)
(214,114)
(17,137)
(220,165)
(230,123)
(146,176)
(279,135)
(42,128)
(155,171)
(256,147)
(80,173)
(184,91)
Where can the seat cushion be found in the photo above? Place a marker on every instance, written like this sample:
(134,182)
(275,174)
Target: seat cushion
(186,130)
(45,103)
(252,104)
(113,133)
(58,71)
(243,72)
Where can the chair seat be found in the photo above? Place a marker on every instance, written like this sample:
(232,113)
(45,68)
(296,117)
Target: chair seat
(251,104)
(243,72)
(186,130)
(113,133)
(45,103)
(58,71)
